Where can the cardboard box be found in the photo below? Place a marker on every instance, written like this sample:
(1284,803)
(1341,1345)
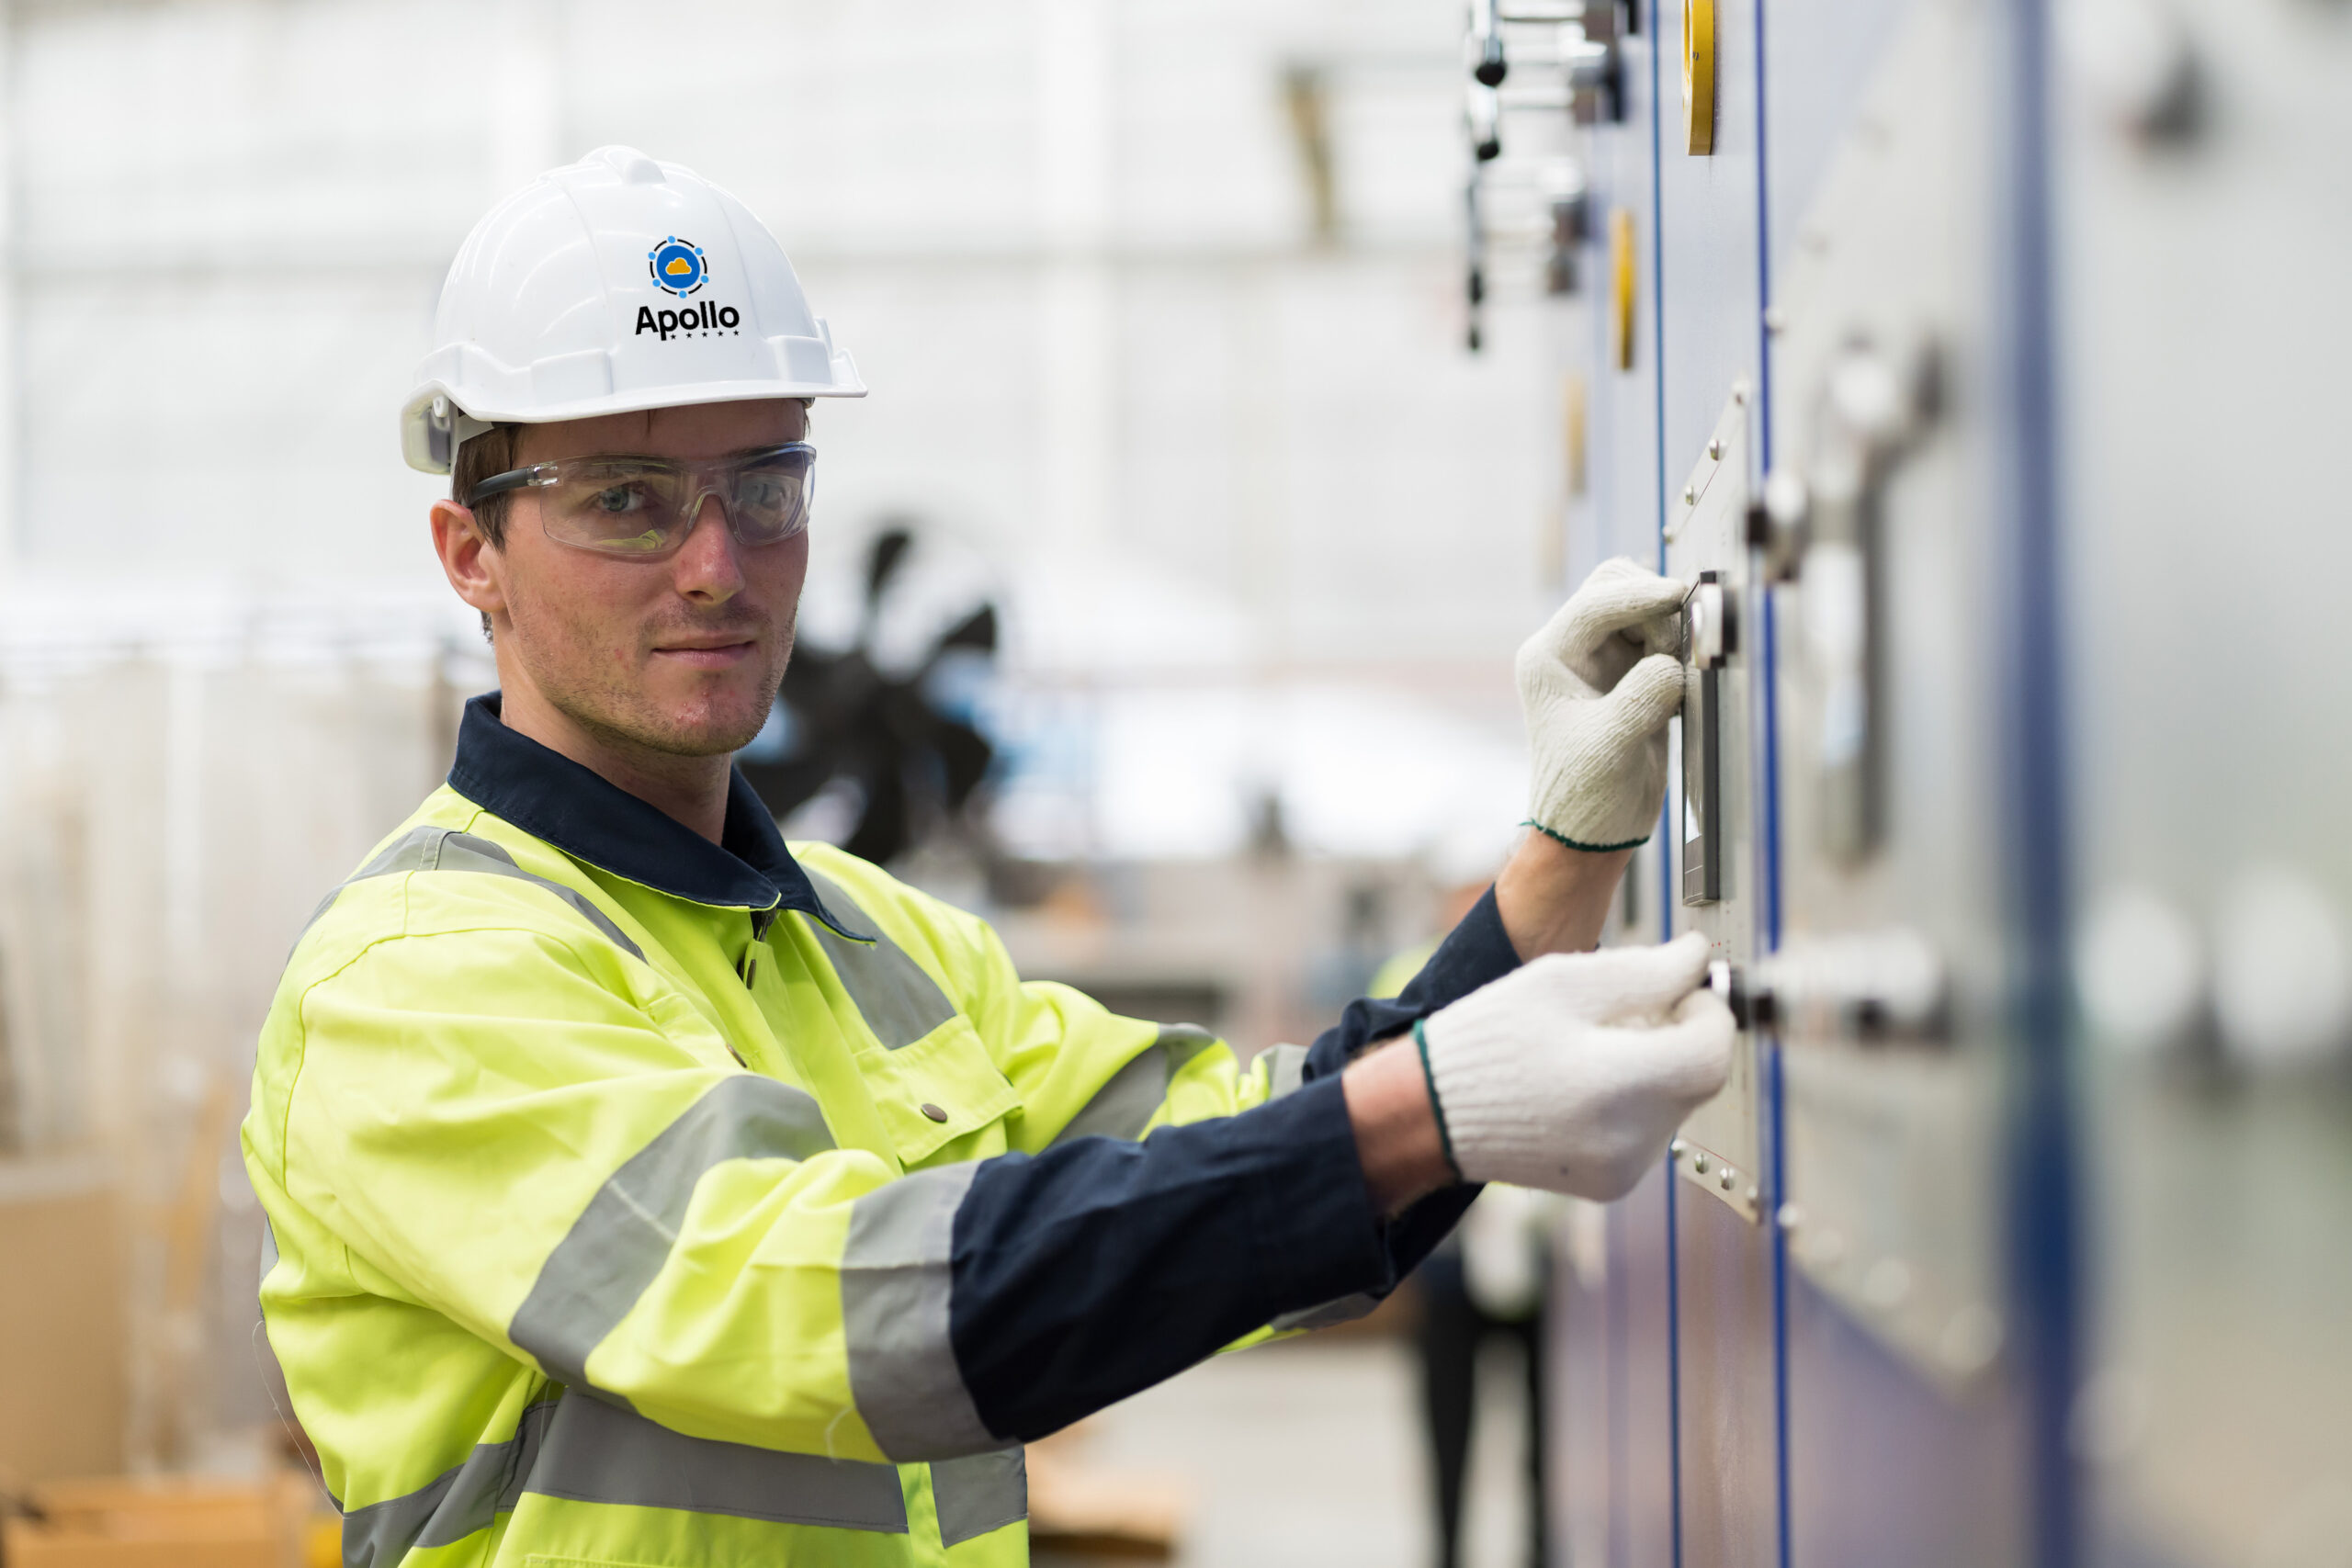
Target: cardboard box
(64,1347)
(166,1522)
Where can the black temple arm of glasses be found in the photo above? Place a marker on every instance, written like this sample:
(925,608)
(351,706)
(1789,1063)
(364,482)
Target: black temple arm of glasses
(499,484)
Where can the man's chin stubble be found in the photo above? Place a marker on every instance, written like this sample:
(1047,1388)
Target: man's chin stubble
(652,731)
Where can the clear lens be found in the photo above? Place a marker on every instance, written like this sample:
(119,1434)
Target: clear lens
(645,507)
(771,499)
(624,508)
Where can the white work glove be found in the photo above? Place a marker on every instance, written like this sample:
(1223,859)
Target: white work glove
(1571,1073)
(1596,686)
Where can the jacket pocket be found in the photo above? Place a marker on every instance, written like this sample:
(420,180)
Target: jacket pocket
(937,1090)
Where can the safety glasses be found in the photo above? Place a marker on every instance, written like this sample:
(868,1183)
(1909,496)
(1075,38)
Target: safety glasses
(643,508)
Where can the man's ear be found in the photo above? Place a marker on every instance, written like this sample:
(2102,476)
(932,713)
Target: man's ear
(472,564)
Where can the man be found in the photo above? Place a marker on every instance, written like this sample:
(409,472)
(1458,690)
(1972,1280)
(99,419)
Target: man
(643,1192)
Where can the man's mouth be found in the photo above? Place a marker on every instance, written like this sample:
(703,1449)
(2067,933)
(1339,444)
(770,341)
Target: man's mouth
(717,652)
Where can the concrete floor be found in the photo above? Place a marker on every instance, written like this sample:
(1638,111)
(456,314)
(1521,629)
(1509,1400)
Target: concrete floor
(1311,1452)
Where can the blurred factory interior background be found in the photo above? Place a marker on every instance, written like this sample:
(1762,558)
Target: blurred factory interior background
(1161,308)
(1178,391)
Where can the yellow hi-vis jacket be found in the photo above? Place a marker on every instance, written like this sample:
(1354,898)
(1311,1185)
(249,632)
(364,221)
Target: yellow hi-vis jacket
(635,1200)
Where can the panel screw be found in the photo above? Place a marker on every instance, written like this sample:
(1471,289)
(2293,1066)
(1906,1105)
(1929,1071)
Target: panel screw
(1699,1162)
(1790,1217)
(1728,1176)
(1715,450)
(1776,320)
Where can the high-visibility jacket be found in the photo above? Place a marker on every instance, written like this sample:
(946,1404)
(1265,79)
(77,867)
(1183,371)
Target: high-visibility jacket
(640,1199)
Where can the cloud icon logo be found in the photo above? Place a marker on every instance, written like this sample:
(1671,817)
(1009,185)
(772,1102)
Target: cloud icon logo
(676,266)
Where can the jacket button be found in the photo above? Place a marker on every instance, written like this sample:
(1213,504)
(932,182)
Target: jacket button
(934,1112)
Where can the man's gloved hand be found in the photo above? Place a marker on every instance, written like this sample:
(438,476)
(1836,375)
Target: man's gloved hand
(1571,1073)
(1598,684)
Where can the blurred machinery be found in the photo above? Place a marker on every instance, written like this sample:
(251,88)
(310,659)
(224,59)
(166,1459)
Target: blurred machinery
(882,733)
(1969,358)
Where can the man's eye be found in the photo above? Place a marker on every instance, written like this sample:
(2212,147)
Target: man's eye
(619,500)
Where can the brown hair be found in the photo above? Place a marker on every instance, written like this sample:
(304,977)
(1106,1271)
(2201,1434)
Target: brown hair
(491,452)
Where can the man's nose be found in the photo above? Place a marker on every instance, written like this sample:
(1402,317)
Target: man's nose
(705,567)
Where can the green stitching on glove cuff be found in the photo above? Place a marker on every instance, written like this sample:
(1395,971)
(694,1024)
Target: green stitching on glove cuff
(1588,849)
(1437,1108)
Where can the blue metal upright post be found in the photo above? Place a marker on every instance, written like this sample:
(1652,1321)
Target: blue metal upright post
(2044,1252)
(1666,839)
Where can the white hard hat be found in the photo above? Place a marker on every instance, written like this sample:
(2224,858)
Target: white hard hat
(615,284)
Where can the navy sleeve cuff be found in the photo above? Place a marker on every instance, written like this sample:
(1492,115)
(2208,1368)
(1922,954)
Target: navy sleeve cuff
(1477,951)
(1099,1267)
(1473,952)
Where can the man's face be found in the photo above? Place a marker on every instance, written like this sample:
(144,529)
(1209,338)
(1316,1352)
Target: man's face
(680,656)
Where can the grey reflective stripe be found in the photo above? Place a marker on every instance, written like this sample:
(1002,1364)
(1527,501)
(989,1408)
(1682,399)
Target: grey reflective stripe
(975,1495)
(595,1452)
(624,1236)
(1285,1069)
(1121,1107)
(446,849)
(453,1506)
(896,1286)
(268,1252)
(1180,1042)
(1124,1105)
(897,998)
(1347,1309)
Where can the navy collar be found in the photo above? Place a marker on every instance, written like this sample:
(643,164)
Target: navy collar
(591,818)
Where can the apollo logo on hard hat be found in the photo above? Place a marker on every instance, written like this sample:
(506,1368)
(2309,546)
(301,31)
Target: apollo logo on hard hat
(677,267)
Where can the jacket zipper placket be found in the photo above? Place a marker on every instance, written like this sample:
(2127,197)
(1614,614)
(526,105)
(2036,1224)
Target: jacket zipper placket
(749,969)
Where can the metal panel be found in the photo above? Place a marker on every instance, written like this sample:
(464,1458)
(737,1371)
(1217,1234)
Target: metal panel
(1886,1467)
(1725,1313)
(1725,1329)
(1712,336)
(1910,1368)
(1613,1483)
(2209,335)
(1616,1345)
(1725,1317)
(1583,1391)
(1818,58)
(1885,299)
(1618,514)
(1721,1148)
(1645,1532)
(1715,305)
(1892,985)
